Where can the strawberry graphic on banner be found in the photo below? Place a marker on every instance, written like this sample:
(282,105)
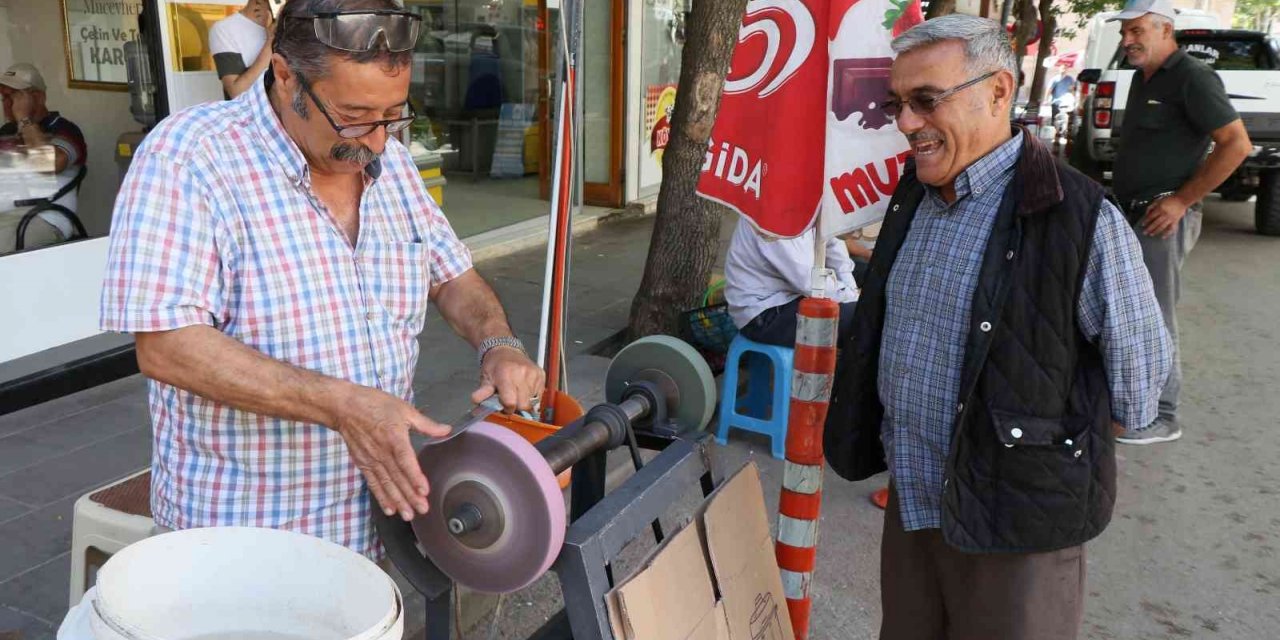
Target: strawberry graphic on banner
(799,130)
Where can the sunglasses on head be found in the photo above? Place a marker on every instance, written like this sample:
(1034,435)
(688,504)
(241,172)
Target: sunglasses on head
(923,105)
(360,31)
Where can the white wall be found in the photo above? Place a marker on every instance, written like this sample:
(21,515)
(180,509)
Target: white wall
(32,32)
(73,270)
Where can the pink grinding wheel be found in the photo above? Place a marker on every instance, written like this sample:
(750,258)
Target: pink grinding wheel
(524,519)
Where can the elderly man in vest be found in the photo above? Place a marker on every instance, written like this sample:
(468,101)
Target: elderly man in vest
(1007,329)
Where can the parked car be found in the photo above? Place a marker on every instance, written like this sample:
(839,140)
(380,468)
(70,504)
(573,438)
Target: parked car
(1249,64)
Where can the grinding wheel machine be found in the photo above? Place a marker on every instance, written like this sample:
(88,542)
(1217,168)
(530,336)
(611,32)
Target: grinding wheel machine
(498,519)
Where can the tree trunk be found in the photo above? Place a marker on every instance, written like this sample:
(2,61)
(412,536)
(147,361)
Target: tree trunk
(686,231)
(1044,48)
(1024,27)
(940,8)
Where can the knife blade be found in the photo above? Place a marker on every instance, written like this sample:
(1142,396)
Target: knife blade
(478,413)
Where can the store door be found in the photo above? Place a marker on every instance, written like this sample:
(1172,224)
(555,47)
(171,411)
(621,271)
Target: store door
(603,80)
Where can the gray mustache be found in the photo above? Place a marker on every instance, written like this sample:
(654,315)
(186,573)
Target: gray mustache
(923,137)
(357,153)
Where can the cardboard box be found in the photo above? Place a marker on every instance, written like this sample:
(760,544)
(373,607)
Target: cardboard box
(671,595)
(714,625)
(715,579)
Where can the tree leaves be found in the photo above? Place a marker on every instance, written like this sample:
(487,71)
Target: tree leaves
(896,9)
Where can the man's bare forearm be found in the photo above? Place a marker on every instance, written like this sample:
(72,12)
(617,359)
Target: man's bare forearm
(471,308)
(202,360)
(244,81)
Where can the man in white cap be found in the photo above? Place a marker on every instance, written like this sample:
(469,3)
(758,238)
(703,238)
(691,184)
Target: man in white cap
(1176,106)
(27,116)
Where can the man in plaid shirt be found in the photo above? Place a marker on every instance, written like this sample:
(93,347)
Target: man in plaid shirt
(274,256)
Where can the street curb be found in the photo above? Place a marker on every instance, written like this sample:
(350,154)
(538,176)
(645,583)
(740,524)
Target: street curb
(506,240)
(531,233)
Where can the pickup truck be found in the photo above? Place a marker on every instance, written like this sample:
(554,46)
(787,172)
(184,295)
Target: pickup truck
(1249,64)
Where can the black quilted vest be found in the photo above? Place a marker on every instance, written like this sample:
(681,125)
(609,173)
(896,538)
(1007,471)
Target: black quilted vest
(1032,459)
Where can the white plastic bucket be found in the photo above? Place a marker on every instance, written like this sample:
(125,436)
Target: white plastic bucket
(243,583)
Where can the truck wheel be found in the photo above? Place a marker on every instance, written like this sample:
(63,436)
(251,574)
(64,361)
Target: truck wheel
(1267,211)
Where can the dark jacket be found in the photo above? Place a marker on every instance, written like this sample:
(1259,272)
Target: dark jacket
(1032,459)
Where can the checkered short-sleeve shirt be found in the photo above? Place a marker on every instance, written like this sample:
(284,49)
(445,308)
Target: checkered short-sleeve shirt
(216,224)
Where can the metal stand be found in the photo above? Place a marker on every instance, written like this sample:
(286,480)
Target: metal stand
(596,539)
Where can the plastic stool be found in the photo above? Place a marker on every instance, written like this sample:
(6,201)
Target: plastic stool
(767,395)
(105,521)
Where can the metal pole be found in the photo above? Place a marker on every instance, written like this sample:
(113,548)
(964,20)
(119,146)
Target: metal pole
(813,371)
(800,504)
(818,276)
(552,224)
(567,166)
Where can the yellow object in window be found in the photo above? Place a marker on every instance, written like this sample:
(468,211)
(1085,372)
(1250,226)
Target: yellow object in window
(189,25)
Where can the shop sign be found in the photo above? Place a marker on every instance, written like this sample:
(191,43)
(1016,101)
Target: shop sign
(95,32)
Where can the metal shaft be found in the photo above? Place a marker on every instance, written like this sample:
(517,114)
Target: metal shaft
(465,519)
(576,441)
(564,449)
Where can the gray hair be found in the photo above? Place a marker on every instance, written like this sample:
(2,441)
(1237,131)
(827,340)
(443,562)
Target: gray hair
(986,44)
(296,41)
(1160,21)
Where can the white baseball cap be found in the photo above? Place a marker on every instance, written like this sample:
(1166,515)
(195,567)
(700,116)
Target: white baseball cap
(22,76)
(1138,8)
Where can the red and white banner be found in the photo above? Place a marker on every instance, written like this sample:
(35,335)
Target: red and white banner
(800,132)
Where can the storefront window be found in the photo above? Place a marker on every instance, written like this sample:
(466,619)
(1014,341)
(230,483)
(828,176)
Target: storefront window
(476,87)
(78,130)
(482,82)
(662,32)
(188,26)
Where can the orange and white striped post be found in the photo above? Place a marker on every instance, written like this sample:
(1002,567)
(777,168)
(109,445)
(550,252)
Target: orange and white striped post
(799,507)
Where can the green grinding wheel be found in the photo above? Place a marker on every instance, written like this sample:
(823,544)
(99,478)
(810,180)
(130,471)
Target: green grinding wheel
(676,368)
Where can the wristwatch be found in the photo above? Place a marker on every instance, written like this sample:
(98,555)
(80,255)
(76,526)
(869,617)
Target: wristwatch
(488,344)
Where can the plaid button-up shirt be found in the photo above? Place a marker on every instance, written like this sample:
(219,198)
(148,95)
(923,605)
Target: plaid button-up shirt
(929,300)
(216,224)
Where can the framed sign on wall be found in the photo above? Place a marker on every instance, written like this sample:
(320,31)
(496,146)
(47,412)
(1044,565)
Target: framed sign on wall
(95,32)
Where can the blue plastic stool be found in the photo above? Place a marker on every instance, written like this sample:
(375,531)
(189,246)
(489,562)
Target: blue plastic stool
(768,401)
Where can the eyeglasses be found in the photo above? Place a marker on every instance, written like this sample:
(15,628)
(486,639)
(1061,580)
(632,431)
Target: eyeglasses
(358,31)
(925,105)
(349,131)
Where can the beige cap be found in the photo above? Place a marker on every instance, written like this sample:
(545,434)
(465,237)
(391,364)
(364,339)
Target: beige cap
(22,76)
